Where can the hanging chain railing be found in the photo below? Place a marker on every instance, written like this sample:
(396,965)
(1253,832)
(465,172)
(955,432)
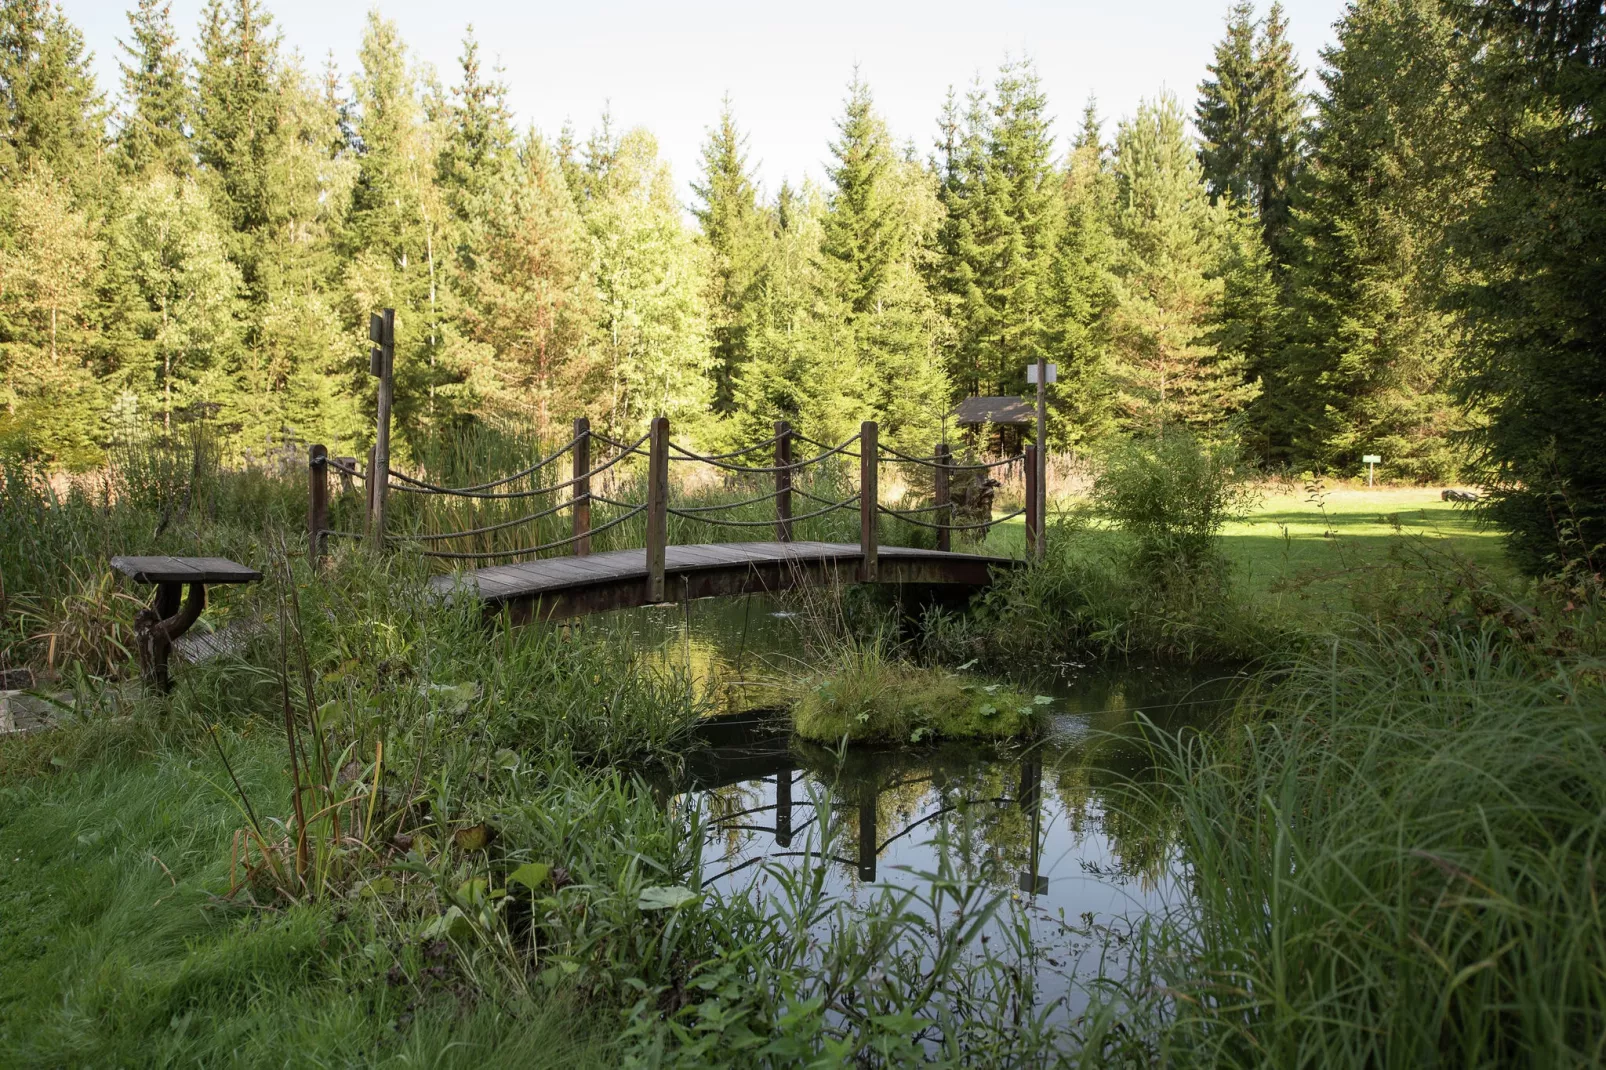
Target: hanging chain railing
(942,515)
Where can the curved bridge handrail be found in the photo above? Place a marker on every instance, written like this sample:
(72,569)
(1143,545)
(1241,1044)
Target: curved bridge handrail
(907,519)
(426,488)
(536,467)
(833,507)
(765,469)
(497,527)
(526,551)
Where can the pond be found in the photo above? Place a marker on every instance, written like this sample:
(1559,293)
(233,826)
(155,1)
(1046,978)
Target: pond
(1032,820)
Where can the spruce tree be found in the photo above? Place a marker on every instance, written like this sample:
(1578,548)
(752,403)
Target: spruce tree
(48,268)
(1019,222)
(962,251)
(1081,294)
(1537,242)
(1370,344)
(737,234)
(1169,262)
(1280,129)
(178,290)
(650,281)
(803,367)
(1226,112)
(51,110)
(153,127)
(1251,117)
(880,221)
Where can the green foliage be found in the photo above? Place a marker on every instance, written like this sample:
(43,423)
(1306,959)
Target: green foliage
(1370,345)
(1171,256)
(157,100)
(1251,119)
(1173,493)
(1394,854)
(1535,366)
(864,694)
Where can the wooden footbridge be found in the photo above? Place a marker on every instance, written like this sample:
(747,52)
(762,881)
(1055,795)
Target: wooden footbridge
(507,567)
(565,576)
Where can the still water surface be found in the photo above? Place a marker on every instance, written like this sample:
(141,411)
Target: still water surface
(1034,821)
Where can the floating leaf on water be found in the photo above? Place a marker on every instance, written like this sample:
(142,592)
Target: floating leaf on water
(473,838)
(1043,700)
(532,875)
(664,897)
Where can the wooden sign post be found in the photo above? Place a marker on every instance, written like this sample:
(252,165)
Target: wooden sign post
(382,365)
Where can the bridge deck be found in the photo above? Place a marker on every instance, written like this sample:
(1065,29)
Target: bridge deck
(557,587)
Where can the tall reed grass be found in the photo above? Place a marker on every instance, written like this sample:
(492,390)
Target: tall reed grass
(1395,860)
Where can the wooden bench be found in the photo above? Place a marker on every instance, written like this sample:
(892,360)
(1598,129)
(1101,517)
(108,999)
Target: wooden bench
(167,618)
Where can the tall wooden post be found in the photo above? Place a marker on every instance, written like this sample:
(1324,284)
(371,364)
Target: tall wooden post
(783,808)
(382,363)
(1033,518)
(368,492)
(867,835)
(783,481)
(317,502)
(582,486)
(657,507)
(1041,464)
(942,496)
(869,499)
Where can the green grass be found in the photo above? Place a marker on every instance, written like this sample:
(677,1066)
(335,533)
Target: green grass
(1304,558)
(864,695)
(1396,858)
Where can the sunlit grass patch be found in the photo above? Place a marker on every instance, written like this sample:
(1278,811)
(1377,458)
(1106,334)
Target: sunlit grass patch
(866,696)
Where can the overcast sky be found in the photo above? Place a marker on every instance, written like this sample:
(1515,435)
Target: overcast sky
(665,66)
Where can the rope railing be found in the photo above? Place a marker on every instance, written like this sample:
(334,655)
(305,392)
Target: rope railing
(765,469)
(487,529)
(907,519)
(488,555)
(833,507)
(421,487)
(940,516)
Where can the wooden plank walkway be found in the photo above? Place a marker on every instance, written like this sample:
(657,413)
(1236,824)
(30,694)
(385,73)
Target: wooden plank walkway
(557,587)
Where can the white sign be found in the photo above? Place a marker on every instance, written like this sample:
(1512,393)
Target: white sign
(1371,458)
(1031,374)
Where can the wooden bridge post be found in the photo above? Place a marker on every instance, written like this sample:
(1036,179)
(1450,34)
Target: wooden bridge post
(382,363)
(869,500)
(581,490)
(1034,522)
(657,507)
(783,481)
(317,502)
(942,495)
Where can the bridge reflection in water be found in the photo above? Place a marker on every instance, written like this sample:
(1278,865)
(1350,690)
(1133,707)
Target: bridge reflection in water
(757,785)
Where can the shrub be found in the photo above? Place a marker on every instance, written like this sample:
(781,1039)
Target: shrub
(1173,493)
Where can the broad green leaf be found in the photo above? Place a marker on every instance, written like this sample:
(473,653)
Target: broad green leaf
(664,897)
(532,875)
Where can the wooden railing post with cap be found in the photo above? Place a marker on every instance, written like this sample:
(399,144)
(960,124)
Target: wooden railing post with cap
(317,501)
(941,496)
(381,363)
(1033,520)
(783,481)
(582,486)
(657,506)
(869,499)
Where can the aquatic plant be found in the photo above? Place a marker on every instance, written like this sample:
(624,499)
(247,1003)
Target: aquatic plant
(864,694)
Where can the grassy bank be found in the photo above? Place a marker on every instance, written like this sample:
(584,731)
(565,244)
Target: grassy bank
(389,833)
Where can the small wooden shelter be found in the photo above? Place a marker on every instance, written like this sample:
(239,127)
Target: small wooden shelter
(1009,416)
